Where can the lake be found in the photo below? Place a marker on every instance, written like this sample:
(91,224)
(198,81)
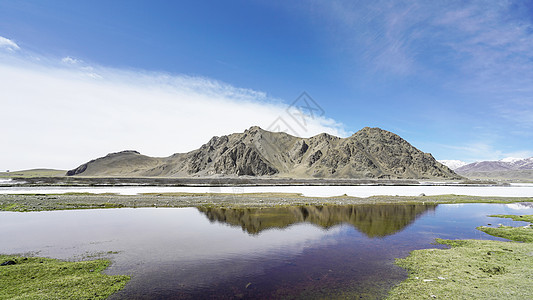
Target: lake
(291,252)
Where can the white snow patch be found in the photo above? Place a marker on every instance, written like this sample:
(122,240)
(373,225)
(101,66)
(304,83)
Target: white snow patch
(452,163)
(511,159)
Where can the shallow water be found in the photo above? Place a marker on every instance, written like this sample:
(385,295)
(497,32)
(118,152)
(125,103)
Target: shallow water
(294,252)
(514,190)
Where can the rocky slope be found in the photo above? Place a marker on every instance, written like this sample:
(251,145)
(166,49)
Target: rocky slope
(368,153)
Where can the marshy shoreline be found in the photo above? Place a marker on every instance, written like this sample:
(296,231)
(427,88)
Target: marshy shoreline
(45,202)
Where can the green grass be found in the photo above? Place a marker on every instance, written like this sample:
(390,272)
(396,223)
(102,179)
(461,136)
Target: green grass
(521,234)
(14,207)
(45,278)
(472,269)
(524,218)
(18,207)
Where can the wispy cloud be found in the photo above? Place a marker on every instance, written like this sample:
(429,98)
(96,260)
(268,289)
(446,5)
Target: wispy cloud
(492,44)
(484,40)
(477,151)
(481,151)
(70,61)
(8,44)
(62,112)
(481,50)
(380,34)
(517,111)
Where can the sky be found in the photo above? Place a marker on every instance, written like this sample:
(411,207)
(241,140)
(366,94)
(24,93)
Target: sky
(80,79)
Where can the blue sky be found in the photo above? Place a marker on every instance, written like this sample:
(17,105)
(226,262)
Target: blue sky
(454,78)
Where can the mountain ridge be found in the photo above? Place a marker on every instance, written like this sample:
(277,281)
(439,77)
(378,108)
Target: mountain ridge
(368,153)
(498,165)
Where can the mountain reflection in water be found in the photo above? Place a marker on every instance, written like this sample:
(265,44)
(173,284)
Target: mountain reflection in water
(372,220)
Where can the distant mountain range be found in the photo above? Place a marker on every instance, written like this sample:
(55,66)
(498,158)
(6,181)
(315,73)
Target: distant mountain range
(508,168)
(505,164)
(368,153)
(499,165)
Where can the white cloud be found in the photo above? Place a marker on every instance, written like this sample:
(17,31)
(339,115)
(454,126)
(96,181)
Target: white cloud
(8,44)
(70,61)
(60,117)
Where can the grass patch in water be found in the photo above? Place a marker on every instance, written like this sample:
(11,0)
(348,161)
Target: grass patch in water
(520,234)
(472,269)
(46,278)
(524,218)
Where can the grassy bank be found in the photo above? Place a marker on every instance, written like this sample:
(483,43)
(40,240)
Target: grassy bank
(33,173)
(45,278)
(472,269)
(41,202)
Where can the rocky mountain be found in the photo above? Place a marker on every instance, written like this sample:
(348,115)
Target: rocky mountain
(507,169)
(453,164)
(368,153)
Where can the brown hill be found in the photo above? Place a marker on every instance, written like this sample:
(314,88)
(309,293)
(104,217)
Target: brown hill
(369,153)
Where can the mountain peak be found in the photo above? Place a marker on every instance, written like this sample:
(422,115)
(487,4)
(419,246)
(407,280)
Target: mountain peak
(374,131)
(254,128)
(511,159)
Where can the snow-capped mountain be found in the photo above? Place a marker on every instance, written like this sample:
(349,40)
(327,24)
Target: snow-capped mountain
(523,164)
(506,164)
(511,159)
(452,163)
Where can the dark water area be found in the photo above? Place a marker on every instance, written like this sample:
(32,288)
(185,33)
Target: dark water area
(270,253)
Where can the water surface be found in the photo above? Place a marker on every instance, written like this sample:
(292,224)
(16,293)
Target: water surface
(292,252)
